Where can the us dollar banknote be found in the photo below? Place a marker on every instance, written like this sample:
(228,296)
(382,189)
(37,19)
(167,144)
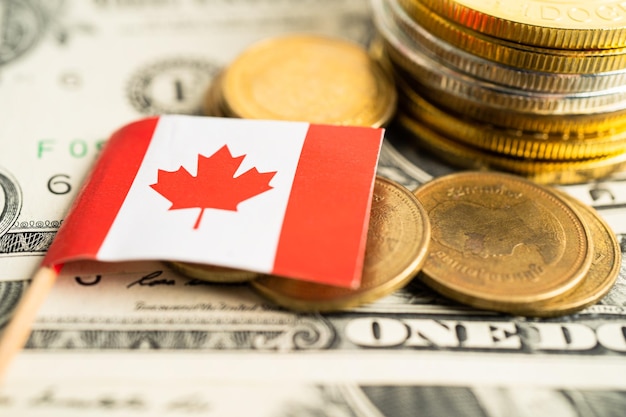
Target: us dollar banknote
(139,339)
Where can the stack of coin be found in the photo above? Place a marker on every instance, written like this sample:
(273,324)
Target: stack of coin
(535,88)
(505,243)
(304,78)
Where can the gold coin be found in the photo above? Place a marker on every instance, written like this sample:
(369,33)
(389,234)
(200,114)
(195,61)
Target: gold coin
(515,54)
(602,274)
(517,143)
(309,78)
(545,172)
(500,242)
(564,24)
(212,273)
(397,244)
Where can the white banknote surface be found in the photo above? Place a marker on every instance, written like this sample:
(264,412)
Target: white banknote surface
(138,339)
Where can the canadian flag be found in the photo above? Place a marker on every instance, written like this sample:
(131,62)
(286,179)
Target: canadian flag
(284,198)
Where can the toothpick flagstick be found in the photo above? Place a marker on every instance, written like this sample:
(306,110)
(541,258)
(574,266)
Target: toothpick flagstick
(16,333)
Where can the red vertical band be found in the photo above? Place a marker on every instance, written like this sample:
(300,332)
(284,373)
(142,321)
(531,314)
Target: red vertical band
(325,226)
(102,195)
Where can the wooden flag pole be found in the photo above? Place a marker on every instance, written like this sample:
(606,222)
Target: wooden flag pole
(17,331)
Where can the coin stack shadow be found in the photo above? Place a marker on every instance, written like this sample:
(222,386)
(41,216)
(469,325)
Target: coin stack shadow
(487,88)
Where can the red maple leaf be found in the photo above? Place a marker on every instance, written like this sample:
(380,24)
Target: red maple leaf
(214,186)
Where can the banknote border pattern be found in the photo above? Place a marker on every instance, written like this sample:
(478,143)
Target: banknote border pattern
(301,333)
